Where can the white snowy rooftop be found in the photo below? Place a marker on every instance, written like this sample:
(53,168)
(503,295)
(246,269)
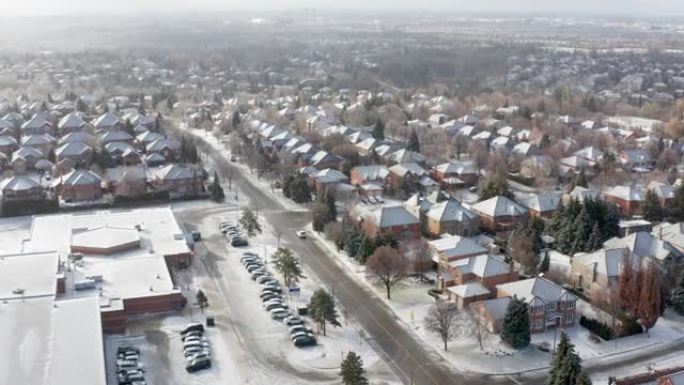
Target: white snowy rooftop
(25,276)
(48,342)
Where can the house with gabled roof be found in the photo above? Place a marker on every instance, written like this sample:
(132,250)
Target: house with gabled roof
(168,148)
(328,178)
(21,187)
(107,121)
(25,158)
(71,122)
(179,181)
(541,205)
(78,152)
(116,136)
(645,244)
(629,199)
(475,278)
(386,219)
(37,125)
(500,214)
(549,304)
(460,170)
(323,159)
(663,191)
(78,185)
(377,174)
(8,144)
(450,216)
(599,270)
(43,142)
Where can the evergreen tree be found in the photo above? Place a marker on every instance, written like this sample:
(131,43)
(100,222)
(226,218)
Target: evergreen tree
(413,142)
(351,370)
(516,324)
(546,263)
(202,300)
(215,190)
(566,368)
(651,209)
(497,185)
(300,191)
(353,241)
(581,231)
(676,210)
(250,223)
(580,179)
(332,207)
(594,241)
(366,249)
(379,129)
(236,119)
(288,266)
(322,309)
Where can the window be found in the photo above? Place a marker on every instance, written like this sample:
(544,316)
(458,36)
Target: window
(551,306)
(568,304)
(538,310)
(569,317)
(537,324)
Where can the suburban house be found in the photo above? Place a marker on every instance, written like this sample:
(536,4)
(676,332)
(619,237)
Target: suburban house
(126,180)
(7,144)
(322,160)
(377,220)
(178,180)
(328,178)
(598,271)
(400,172)
(672,233)
(550,305)
(449,248)
(663,191)
(475,278)
(78,152)
(71,122)
(21,187)
(165,147)
(362,175)
(107,121)
(541,205)
(451,217)
(628,198)
(645,244)
(78,185)
(455,173)
(37,125)
(25,158)
(499,214)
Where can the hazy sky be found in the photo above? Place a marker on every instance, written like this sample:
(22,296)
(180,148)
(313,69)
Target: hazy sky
(632,7)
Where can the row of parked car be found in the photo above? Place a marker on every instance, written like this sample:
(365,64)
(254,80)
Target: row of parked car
(129,369)
(195,348)
(233,234)
(273,302)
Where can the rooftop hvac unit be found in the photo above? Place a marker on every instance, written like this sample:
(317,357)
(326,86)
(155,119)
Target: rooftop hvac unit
(18,291)
(96,278)
(75,256)
(84,285)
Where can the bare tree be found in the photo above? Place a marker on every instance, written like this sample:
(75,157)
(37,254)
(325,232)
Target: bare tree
(388,266)
(649,297)
(422,257)
(479,329)
(229,174)
(442,320)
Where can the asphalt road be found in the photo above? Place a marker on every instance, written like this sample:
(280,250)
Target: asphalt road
(410,360)
(413,362)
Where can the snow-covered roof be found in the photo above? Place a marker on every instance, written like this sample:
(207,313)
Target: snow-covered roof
(172,172)
(106,120)
(627,193)
(499,206)
(373,172)
(72,149)
(450,210)
(78,178)
(330,175)
(536,291)
(468,290)
(163,144)
(77,136)
(456,167)
(105,238)
(607,261)
(390,215)
(455,247)
(542,202)
(404,169)
(644,244)
(19,183)
(662,190)
(483,266)
(72,120)
(115,136)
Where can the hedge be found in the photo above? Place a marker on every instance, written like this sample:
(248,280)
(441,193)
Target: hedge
(597,327)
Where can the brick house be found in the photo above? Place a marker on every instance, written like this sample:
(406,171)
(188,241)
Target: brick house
(464,171)
(21,187)
(599,270)
(178,180)
(663,191)
(7,144)
(362,175)
(451,217)
(78,152)
(499,214)
(491,312)
(387,219)
(405,171)
(78,185)
(549,304)
(322,160)
(541,205)
(167,148)
(475,278)
(629,199)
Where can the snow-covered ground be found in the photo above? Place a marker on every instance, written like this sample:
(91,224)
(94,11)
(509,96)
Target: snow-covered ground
(410,302)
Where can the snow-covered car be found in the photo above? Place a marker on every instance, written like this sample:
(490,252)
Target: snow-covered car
(301,234)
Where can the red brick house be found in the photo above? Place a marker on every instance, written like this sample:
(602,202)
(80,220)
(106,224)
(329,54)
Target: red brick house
(464,171)
(550,305)
(475,278)
(382,220)
(362,175)
(541,205)
(663,191)
(78,185)
(21,187)
(178,180)
(499,214)
(451,217)
(629,199)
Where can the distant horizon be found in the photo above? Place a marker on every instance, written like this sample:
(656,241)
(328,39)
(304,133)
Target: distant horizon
(521,8)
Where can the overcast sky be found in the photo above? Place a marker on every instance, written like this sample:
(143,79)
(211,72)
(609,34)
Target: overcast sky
(631,7)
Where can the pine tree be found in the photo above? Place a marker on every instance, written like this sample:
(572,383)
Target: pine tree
(366,249)
(288,266)
(379,129)
(545,264)
(202,300)
(351,370)
(413,142)
(250,223)
(566,368)
(322,309)
(516,324)
(215,190)
(580,179)
(651,209)
(582,230)
(594,241)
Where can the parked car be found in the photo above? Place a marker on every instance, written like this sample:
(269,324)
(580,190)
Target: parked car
(254,267)
(274,305)
(266,280)
(273,288)
(301,234)
(196,235)
(194,333)
(300,328)
(279,313)
(198,364)
(239,242)
(271,297)
(303,342)
(293,320)
(258,274)
(192,327)
(296,335)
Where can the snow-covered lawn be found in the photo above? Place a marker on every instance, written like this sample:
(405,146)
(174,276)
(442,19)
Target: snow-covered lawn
(410,302)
